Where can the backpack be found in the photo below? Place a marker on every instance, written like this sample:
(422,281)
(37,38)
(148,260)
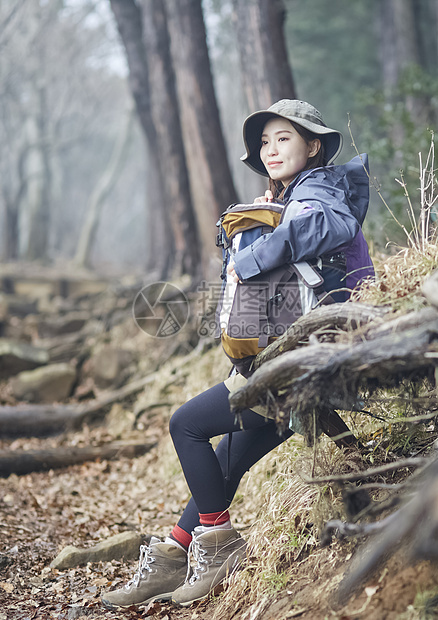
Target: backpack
(252,314)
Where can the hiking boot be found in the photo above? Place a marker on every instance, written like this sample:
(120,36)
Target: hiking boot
(217,553)
(162,567)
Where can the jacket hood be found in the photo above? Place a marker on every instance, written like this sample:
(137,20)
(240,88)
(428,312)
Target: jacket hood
(353,176)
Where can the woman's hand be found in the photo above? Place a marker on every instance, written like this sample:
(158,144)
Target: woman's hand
(231,271)
(268,197)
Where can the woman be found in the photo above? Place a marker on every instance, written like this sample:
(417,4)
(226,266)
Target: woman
(324,208)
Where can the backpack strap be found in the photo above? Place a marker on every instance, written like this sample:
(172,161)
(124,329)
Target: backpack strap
(314,280)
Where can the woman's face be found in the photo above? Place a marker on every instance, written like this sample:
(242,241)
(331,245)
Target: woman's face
(284,152)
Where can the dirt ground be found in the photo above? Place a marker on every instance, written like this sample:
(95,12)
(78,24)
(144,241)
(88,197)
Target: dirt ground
(83,504)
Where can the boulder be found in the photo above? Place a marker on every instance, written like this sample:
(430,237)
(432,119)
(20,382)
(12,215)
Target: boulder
(16,357)
(47,384)
(121,546)
(64,324)
(109,367)
(13,305)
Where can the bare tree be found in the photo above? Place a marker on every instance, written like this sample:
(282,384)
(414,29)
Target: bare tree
(38,167)
(25,159)
(100,193)
(55,124)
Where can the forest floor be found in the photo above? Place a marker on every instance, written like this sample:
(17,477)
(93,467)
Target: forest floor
(84,504)
(43,512)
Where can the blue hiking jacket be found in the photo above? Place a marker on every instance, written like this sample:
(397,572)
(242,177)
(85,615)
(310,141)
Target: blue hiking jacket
(325,209)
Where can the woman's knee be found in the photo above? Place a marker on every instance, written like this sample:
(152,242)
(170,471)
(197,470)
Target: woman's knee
(184,422)
(176,424)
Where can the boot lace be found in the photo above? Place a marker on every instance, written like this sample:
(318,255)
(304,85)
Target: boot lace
(198,554)
(145,559)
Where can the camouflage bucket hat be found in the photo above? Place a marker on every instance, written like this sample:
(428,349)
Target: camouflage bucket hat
(299,112)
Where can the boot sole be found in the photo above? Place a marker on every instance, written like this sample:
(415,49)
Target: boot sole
(165,597)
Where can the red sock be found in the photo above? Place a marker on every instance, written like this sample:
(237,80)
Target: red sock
(181,536)
(214,518)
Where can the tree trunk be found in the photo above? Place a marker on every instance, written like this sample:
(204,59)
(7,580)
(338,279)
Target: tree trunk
(161,245)
(100,193)
(11,232)
(266,73)
(39,178)
(211,181)
(146,40)
(388,50)
(170,153)
(13,204)
(407,30)
(129,23)
(400,48)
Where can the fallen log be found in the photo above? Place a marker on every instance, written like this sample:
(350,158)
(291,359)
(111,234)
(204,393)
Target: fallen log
(45,420)
(66,347)
(331,374)
(26,461)
(430,289)
(342,316)
(279,374)
(384,361)
(397,324)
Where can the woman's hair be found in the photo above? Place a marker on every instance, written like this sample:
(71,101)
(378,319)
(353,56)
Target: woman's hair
(277,188)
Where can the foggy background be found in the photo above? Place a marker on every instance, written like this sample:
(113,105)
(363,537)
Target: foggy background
(98,96)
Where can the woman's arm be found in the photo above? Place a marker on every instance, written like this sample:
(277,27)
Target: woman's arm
(324,221)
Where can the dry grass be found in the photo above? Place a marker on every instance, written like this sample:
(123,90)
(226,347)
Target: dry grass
(400,277)
(279,535)
(284,533)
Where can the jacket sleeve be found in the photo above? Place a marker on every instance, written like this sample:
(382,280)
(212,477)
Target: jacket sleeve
(322,218)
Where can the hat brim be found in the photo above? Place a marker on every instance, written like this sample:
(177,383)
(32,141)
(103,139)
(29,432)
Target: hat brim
(252,131)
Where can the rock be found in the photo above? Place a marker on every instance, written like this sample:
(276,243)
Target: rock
(121,546)
(109,367)
(47,384)
(13,305)
(120,421)
(5,561)
(58,325)
(76,612)
(16,357)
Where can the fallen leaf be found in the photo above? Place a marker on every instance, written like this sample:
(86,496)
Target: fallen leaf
(7,587)
(152,609)
(101,581)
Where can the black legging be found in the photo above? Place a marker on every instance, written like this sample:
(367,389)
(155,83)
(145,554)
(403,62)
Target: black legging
(193,425)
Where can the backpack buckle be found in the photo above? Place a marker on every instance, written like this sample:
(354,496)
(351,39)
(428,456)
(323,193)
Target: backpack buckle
(276,299)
